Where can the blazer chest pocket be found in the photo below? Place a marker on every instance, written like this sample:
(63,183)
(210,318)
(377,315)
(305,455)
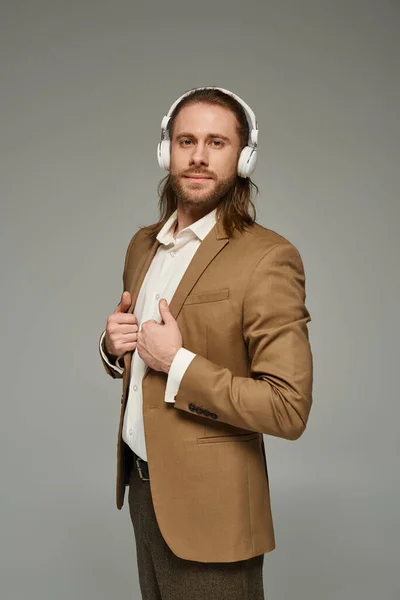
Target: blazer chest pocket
(210,296)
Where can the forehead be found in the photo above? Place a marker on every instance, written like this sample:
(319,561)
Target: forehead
(201,119)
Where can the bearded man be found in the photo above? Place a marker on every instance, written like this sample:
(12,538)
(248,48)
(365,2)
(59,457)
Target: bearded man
(210,339)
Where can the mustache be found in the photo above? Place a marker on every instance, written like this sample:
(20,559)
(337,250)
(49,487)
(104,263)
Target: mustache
(198,172)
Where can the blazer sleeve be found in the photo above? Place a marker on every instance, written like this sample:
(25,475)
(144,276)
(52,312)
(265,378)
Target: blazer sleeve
(276,398)
(116,373)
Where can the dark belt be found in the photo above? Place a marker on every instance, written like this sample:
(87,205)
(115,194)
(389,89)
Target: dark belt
(142,467)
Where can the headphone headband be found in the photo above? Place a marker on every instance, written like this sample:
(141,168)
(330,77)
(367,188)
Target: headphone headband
(250,116)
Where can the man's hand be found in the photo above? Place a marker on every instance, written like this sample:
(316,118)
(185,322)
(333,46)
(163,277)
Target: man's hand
(122,328)
(157,344)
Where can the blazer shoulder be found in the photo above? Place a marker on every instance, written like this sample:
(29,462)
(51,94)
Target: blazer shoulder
(139,243)
(261,239)
(261,244)
(141,237)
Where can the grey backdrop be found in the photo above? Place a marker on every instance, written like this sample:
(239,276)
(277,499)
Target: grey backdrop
(84,86)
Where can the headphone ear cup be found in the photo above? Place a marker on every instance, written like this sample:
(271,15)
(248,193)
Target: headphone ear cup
(247,161)
(159,158)
(163,154)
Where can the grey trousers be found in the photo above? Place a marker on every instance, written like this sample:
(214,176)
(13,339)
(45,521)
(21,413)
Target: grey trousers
(165,576)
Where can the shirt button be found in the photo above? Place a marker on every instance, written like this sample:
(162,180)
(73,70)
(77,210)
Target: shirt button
(130,432)
(172,254)
(134,388)
(157,296)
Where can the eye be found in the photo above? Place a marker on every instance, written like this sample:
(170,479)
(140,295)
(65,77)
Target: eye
(186,142)
(217,143)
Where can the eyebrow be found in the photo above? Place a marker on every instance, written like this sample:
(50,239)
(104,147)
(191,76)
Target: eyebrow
(209,136)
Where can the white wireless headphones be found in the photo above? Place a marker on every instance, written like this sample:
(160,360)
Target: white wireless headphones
(248,156)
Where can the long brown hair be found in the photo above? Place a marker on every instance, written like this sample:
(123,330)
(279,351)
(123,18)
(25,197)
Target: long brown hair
(236,209)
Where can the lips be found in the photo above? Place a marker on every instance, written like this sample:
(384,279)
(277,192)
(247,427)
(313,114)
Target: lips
(197,176)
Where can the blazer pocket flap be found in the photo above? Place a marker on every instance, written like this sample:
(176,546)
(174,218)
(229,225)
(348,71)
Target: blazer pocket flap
(211,296)
(217,439)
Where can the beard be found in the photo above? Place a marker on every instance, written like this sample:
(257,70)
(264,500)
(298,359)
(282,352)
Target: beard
(199,198)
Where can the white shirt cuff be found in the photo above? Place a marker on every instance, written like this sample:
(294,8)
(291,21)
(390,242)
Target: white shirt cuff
(181,361)
(115,367)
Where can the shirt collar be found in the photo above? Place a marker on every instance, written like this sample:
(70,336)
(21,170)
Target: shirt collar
(200,228)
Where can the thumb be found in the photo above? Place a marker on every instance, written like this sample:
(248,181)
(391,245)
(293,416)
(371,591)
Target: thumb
(165,312)
(125,303)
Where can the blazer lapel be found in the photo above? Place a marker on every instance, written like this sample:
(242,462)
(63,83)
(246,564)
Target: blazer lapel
(134,291)
(136,283)
(207,251)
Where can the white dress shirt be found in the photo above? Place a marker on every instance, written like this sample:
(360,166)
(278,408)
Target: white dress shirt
(162,278)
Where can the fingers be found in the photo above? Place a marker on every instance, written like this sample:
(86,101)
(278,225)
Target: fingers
(147,323)
(123,318)
(123,348)
(165,312)
(124,304)
(118,344)
(121,328)
(127,338)
(122,338)
(128,347)
(127,329)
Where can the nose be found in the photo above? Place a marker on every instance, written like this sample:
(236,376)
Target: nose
(199,155)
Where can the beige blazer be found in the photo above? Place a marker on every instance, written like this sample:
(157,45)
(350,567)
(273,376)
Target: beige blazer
(240,307)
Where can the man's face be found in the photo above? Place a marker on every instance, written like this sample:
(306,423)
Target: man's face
(205,148)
